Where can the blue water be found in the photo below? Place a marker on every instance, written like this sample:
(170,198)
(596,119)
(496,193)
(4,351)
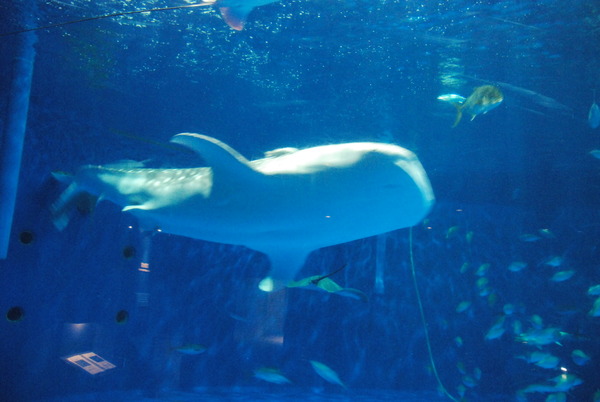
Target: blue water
(305,73)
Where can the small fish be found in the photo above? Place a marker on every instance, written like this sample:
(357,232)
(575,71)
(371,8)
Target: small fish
(190,349)
(594,114)
(541,337)
(547,233)
(464,268)
(469,381)
(459,341)
(542,359)
(463,306)
(554,261)
(452,231)
(565,382)
(326,373)
(595,153)
(562,276)
(537,321)
(579,357)
(469,237)
(529,237)
(483,269)
(482,283)
(496,330)
(517,266)
(271,375)
(562,383)
(492,299)
(494,333)
(548,362)
(595,311)
(532,357)
(508,308)
(594,290)
(482,286)
(482,100)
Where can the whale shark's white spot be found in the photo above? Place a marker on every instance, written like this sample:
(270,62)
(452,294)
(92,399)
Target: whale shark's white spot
(285,205)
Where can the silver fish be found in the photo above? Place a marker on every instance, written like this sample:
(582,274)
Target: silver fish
(595,311)
(561,276)
(482,100)
(580,357)
(191,349)
(326,373)
(594,114)
(271,375)
(517,266)
(594,290)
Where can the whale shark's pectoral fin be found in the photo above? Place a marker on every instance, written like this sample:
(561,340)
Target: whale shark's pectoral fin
(219,156)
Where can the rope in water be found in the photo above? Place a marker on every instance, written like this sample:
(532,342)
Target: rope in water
(423,321)
(100,17)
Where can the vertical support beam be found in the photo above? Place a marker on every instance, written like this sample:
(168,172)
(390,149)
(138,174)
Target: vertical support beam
(11,147)
(380,263)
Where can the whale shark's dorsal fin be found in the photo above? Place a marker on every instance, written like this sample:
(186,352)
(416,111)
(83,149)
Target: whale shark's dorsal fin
(219,156)
(280,152)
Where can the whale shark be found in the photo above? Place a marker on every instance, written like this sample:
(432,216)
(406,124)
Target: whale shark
(284,205)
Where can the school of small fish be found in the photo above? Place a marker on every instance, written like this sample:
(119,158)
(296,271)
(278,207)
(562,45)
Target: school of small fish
(540,341)
(541,344)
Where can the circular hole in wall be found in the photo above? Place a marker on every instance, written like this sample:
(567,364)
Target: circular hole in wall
(15,314)
(128,252)
(26,237)
(122,317)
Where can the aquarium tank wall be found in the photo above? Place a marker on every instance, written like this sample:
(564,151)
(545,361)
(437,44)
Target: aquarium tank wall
(299,200)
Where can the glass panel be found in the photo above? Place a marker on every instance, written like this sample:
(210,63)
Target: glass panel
(299,200)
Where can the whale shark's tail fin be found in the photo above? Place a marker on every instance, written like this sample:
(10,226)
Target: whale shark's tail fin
(72,198)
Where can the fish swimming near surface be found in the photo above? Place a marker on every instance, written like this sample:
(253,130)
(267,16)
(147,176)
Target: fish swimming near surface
(235,12)
(482,100)
(285,205)
(594,114)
